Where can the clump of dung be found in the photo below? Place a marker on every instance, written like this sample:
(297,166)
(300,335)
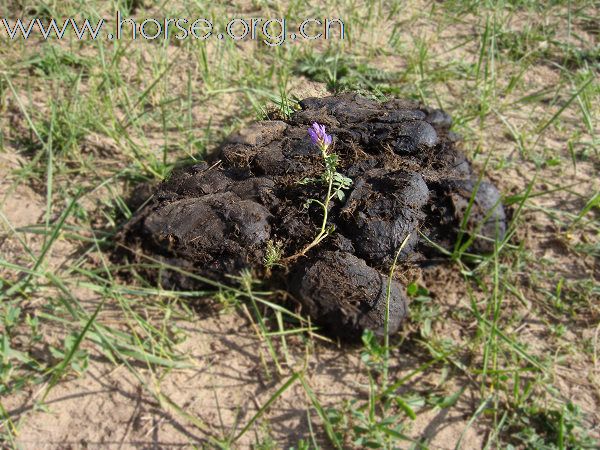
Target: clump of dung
(409,180)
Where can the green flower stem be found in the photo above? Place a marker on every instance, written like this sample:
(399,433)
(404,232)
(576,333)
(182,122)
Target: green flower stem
(330,172)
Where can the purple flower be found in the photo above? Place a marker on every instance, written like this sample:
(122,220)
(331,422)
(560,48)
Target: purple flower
(319,136)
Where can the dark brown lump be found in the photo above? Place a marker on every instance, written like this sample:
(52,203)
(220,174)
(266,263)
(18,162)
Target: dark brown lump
(409,180)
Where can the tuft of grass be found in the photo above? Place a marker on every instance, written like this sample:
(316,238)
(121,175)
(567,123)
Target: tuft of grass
(341,74)
(273,254)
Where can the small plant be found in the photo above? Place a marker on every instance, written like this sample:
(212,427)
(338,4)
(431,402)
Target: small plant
(335,181)
(341,74)
(553,428)
(273,254)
